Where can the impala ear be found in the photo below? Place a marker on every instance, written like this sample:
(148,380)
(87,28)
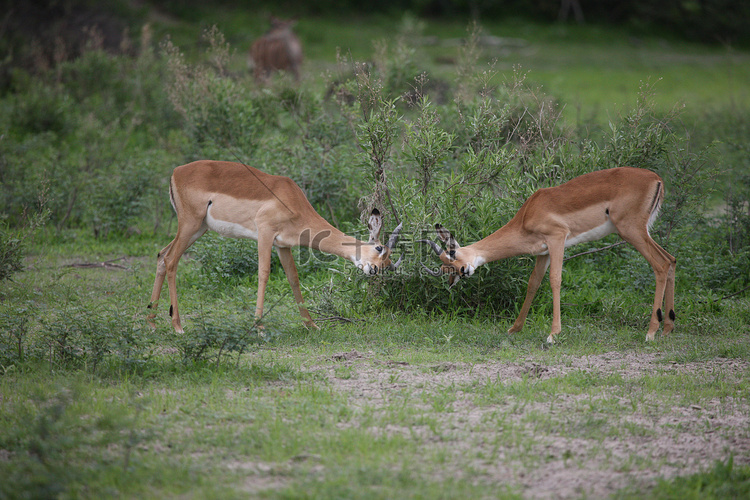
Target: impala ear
(447,237)
(375,225)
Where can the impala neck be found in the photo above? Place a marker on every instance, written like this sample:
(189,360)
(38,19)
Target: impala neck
(508,241)
(321,235)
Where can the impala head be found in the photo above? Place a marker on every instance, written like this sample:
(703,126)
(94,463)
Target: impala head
(376,257)
(457,262)
(278,24)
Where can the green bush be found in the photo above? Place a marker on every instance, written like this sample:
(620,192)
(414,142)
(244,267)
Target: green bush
(221,333)
(470,169)
(80,338)
(14,240)
(11,252)
(224,261)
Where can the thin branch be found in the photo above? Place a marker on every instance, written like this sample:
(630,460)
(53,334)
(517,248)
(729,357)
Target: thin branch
(725,297)
(621,242)
(340,319)
(107,264)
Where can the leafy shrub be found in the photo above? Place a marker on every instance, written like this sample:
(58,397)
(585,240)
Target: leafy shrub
(11,253)
(117,201)
(218,334)
(77,125)
(13,242)
(221,118)
(225,261)
(77,337)
(41,108)
(14,328)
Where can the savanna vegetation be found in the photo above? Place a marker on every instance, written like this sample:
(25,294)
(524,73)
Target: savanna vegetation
(409,389)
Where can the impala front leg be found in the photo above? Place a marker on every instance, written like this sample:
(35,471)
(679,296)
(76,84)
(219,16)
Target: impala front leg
(161,273)
(556,254)
(290,269)
(265,246)
(537,275)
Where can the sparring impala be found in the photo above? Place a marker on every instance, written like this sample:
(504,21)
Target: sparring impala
(619,200)
(239,201)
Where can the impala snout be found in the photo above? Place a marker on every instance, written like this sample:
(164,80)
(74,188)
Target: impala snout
(455,273)
(455,260)
(378,256)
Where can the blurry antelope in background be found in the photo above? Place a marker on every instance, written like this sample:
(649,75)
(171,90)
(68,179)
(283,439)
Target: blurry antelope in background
(277,50)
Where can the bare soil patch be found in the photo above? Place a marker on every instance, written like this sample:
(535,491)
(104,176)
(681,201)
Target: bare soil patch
(560,445)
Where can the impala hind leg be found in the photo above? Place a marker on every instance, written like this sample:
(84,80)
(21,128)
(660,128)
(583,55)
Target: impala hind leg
(663,265)
(290,269)
(171,259)
(537,275)
(166,266)
(161,273)
(669,299)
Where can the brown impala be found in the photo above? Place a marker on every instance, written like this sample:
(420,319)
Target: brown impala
(622,200)
(277,50)
(239,201)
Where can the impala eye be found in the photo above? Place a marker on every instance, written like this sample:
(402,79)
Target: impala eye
(452,254)
(378,249)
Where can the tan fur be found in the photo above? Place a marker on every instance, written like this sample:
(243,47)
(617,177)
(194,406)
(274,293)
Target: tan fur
(623,200)
(240,201)
(277,50)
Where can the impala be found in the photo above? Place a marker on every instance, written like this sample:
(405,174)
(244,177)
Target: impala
(622,200)
(239,201)
(277,50)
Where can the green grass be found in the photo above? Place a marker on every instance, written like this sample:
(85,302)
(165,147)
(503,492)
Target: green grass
(594,71)
(382,404)
(389,405)
(280,422)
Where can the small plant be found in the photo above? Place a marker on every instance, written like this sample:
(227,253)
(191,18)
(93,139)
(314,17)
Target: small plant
(377,132)
(426,144)
(225,261)
(218,111)
(218,334)
(725,480)
(80,338)
(13,242)
(14,325)
(50,442)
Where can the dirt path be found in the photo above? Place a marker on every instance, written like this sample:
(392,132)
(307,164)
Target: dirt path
(564,444)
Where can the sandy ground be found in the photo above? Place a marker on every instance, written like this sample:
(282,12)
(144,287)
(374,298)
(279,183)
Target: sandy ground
(560,455)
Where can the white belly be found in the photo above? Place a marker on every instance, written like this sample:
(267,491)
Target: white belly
(592,234)
(229,229)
